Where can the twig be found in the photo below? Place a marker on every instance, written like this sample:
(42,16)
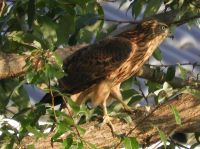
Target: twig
(52,97)
(139,123)
(143,95)
(184,20)
(120,21)
(168,65)
(70,114)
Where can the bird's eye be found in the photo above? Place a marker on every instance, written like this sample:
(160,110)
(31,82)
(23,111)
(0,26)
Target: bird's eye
(163,27)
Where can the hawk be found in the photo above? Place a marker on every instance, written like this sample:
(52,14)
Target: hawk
(97,70)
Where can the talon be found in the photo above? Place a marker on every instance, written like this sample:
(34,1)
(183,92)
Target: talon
(107,120)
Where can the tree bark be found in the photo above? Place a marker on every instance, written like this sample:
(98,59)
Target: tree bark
(145,125)
(13,65)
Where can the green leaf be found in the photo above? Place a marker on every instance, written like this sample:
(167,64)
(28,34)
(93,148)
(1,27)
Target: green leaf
(183,72)
(68,120)
(137,6)
(81,130)
(170,73)
(54,71)
(91,146)
(81,22)
(131,143)
(48,29)
(21,37)
(127,85)
(32,77)
(31,13)
(80,145)
(125,116)
(157,54)
(73,38)
(66,27)
(180,3)
(58,59)
(129,93)
(67,143)
(73,105)
(31,146)
(35,131)
(176,114)
(152,7)
(88,19)
(152,86)
(163,137)
(61,128)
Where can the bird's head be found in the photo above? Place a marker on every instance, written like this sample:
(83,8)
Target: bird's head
(153,28)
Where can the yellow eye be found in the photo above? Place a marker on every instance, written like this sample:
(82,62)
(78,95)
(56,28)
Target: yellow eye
(163,27)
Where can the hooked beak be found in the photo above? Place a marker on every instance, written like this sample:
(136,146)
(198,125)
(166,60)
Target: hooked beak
(171,36)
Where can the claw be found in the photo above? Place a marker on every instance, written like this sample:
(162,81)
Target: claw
(107,120)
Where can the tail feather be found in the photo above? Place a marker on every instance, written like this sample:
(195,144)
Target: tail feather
(48,99)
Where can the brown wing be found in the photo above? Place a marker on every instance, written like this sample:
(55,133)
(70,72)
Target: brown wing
(93,63)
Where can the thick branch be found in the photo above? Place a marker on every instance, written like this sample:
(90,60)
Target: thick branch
(160,77)
(145,124)
(12,65)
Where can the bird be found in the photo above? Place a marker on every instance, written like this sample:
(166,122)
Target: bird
(96,71)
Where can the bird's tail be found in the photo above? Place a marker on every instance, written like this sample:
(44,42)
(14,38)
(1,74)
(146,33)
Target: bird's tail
(49,99)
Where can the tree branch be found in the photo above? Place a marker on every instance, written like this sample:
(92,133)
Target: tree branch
(146,131)
(13,65)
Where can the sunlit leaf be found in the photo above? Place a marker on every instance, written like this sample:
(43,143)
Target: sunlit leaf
(157,54)
(137,6)
(176,115)
(80,145)
(35,131)
(73,105)
(163,137)
(32,146)
(152,7)
(183,71)
(68,142)
(131,143)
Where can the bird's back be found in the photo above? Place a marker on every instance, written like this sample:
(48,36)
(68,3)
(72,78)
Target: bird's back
(94,63)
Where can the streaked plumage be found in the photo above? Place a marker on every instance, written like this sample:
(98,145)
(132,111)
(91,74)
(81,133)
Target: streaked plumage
(97,70)
(111,60)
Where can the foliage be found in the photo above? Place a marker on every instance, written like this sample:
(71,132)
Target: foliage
(38,26)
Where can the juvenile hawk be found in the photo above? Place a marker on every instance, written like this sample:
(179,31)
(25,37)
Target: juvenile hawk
(96,71)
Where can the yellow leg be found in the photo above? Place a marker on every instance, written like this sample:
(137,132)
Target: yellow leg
(107,118)
(100,96)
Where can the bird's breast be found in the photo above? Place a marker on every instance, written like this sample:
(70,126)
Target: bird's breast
(133,63)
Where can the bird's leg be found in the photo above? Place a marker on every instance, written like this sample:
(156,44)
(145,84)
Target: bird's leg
(100,96)
(107,118)
(116,94)
(79,98)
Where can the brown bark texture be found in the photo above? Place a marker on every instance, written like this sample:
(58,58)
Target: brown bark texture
(145,125)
